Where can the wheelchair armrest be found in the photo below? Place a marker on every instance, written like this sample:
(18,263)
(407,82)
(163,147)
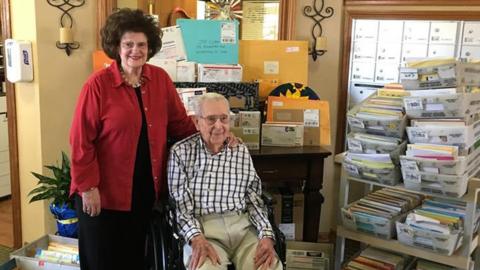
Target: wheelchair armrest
(268,198)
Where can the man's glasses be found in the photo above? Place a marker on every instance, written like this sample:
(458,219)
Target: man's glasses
(130,44)
(212,119)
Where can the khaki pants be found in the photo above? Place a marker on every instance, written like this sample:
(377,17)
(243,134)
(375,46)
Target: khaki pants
(235,240)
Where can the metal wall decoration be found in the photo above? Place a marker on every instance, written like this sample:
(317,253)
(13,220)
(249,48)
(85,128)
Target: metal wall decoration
(66,41)
(314,12)
(224,9)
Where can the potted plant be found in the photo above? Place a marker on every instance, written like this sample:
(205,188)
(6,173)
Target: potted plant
(57,189)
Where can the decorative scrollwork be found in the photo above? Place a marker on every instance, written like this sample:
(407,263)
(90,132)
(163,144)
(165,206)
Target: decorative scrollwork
(68,47)
(317,14)
(66,20)
(65,6)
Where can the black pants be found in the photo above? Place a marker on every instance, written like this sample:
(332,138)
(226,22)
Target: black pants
(113,240)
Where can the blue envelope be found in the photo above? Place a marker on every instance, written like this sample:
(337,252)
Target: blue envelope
(210,41)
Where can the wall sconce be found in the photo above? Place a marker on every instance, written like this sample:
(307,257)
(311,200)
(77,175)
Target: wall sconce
(314,12)
(66,41)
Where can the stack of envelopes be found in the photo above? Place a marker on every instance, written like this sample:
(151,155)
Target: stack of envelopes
(437,225)
(377,212)
(444,131)
(376,140)
(373,259)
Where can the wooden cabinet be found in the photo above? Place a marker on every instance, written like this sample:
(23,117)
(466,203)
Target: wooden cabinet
(300,167)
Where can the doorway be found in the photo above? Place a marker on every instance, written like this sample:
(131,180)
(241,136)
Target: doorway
(10,218)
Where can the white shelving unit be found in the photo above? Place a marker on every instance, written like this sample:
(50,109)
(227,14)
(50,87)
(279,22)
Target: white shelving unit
(463,258)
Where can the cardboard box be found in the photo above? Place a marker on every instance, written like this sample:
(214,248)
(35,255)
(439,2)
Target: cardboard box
(219,73)
(249,136)
(169,65)
(288,210)
(314,114)
(249,119)
(26,260)
(282,134)
(188,97)
(305,255)
(246,125)
(186,71)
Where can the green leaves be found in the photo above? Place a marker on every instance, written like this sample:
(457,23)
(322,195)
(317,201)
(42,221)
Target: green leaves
(56,188)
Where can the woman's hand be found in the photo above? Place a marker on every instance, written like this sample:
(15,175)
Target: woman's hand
(233,141)
(91,202)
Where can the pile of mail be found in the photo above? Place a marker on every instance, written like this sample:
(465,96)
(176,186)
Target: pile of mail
(372,258)
(375,142)
(379,115)
(377,212)
(444,128)
(200,50)
(438,225)
(434,73)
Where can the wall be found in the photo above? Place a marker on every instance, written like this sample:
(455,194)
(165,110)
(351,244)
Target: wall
(323,77)
(127,3)
(45,106)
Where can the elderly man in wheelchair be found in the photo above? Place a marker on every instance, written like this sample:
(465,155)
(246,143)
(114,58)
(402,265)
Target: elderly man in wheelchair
(217,194)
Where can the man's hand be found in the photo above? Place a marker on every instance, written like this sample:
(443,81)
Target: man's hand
(233,141)
(201,249)
(265,254)
(91,202)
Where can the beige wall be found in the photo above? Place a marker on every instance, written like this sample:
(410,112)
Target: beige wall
(45,106)
(323,77)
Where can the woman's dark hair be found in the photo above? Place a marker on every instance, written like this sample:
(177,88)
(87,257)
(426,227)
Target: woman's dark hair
(129,20)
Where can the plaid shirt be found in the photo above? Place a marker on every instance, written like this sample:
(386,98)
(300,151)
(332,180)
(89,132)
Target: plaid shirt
(202,184)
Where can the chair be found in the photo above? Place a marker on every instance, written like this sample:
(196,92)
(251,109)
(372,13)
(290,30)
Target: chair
(165,245)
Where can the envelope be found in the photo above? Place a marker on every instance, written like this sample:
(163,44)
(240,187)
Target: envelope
(314,114)
(274,62)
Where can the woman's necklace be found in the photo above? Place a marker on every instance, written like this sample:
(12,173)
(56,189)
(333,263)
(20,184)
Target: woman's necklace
(136,84)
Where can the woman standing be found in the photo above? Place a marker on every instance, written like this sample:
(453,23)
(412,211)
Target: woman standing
(119,144)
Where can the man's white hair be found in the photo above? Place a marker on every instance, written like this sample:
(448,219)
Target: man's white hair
(211,96)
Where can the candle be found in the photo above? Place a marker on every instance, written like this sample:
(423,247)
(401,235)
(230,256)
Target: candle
(150,8)
(321,44)
(66,35)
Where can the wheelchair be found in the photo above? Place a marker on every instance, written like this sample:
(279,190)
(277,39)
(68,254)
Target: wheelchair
(165,245)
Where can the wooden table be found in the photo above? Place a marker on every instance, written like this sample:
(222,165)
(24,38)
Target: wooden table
(294,167)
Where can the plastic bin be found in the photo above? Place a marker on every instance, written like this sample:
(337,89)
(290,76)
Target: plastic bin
(25,256)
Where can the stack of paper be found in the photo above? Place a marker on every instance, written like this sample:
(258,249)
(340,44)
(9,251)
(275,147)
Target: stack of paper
(381,108)
(372,258)
(437,225)
(379,115)
(432,151)
(375,143)
(377,212)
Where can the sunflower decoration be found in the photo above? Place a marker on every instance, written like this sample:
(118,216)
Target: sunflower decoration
(224,9)
(294,90)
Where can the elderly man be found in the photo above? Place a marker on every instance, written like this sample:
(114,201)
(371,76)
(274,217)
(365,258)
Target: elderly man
(218,196)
